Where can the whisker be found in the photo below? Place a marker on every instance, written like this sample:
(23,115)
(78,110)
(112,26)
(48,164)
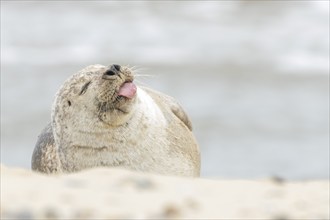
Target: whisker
(133,68)
(143,75)
(140,83)
(136,69)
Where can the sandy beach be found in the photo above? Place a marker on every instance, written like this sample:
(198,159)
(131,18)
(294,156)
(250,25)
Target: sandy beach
(106,193)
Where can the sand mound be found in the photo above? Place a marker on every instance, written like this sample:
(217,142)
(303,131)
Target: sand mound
(114,193)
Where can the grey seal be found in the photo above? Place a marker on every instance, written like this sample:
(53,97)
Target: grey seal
(101,118)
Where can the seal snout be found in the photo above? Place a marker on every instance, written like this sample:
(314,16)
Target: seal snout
(124,77)
(114,70)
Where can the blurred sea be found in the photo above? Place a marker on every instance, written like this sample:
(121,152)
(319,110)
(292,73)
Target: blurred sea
(252,75)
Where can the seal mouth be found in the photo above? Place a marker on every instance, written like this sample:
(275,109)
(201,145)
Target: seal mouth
(127,90)
(118,93)
(121,100)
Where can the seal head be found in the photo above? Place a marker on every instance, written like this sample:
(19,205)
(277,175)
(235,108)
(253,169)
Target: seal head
(108,92)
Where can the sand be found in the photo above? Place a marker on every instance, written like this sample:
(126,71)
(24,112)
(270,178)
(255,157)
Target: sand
(106,193)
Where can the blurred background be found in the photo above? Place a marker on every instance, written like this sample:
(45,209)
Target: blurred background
(252,75)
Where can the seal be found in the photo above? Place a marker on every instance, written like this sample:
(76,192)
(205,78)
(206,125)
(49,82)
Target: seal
(101,118)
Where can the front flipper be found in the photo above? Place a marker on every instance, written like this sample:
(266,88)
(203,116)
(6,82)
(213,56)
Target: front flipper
(45,156)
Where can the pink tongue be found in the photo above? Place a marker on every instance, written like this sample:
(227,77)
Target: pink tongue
(127,90)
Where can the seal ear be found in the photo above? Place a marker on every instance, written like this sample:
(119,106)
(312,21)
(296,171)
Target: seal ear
(69,102)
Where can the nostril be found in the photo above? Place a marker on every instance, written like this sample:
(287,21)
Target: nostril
(116,66)
(113,70)
(110,73)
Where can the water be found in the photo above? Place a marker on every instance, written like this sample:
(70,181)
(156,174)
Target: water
(253,76)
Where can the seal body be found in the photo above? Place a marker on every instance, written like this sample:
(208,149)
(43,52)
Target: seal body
(101,118)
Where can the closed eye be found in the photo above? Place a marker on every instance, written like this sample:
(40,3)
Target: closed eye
(84,88)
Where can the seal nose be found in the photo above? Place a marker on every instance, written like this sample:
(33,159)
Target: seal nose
(114,70)
(116,66)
